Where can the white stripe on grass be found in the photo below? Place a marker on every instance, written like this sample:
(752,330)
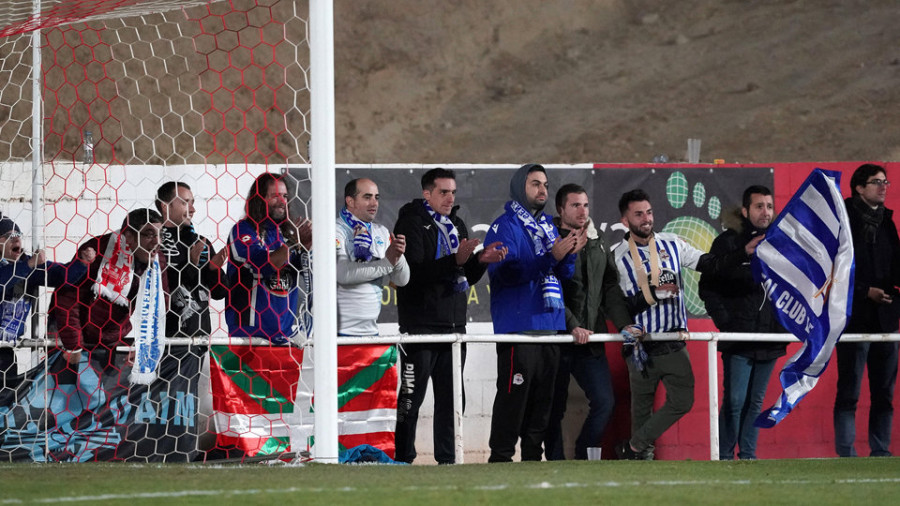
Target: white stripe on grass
(498,487)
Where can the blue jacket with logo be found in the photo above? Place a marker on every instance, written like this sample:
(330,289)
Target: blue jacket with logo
(265,301)
(517,303)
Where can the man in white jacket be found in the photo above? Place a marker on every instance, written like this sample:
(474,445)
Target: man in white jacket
(366,253)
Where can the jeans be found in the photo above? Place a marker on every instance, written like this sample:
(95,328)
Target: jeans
(881,359)
(746,381)
(592,375)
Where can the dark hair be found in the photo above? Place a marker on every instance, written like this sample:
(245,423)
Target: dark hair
(167,192)
(564,191)
(350,189)
(636,195)
(757,189)
(136,219)
(257,206)
(437,173)
(862,174)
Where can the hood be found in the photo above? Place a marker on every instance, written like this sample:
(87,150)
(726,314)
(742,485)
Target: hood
(517,183)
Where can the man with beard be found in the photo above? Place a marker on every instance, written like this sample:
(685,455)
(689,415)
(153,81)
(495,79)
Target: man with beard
(650,267)
(21,275)
(875,311)
(736,303)
(366,253)
(95,314)
(442,268)
(526,298)
(269,277)
(193,268)
(592,296)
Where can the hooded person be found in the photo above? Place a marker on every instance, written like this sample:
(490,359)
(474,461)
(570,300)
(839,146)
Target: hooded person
(21,275)
(526,298)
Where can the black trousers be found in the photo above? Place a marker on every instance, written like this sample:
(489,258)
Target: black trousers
(418,363)
(526,375)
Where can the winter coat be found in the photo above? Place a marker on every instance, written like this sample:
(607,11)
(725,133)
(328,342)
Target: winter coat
(735,302)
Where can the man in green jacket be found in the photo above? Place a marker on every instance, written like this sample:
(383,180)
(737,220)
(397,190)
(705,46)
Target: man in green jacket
(591,297)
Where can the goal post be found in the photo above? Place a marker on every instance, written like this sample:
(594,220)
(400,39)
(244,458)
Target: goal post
(103,101)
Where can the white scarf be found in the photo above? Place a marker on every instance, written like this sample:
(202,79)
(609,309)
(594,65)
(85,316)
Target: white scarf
(148,320)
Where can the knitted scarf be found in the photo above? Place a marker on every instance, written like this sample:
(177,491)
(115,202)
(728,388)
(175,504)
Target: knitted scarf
(448,243)
(542,235)
(362,236)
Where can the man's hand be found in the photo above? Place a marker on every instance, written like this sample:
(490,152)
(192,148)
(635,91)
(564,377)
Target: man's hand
(492,253)
(580,240)
(87,256)
(636,331)
(39,258)
(396,249)
(564,245)
(581,335)
(466,247)
(750,248)
(218,260)
(879,296)
(197,250)
(304,233)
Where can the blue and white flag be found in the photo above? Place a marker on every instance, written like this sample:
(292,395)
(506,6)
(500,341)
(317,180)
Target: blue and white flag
(806,265)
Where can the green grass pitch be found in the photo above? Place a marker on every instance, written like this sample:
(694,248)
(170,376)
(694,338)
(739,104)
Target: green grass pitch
(818,482)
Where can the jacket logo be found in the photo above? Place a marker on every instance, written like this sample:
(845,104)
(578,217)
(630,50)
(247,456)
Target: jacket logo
(518,379)
(428,227)
(495,227)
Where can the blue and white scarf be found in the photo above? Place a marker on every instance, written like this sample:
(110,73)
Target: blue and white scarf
(543,235)
(362,236)
(448,242)
(147,320)
(13,314)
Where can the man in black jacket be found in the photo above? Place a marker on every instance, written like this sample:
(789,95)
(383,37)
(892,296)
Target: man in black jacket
(875,310)
(442,267)
(192,267)
(737,304)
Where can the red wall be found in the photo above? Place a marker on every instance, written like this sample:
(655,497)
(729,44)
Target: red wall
(808,430)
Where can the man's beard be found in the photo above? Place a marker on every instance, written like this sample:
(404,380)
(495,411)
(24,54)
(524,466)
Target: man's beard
(640,233)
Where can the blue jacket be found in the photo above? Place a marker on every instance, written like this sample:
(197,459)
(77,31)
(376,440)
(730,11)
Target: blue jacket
(517,303)
(19,284)
(264,301)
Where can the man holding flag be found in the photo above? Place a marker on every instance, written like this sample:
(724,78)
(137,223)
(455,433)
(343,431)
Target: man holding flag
(875,311)
(806,267)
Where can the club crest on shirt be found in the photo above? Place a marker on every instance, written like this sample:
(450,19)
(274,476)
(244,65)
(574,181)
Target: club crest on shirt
(664,256)
(518,379)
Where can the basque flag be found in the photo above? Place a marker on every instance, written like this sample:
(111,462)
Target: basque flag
(806,265)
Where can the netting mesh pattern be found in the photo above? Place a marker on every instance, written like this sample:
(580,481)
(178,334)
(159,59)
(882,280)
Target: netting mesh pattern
(210,94)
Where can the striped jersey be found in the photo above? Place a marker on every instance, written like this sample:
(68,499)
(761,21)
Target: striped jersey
(674,254)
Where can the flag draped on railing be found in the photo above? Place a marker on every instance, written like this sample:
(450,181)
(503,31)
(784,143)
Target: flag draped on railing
(263,397)
(806,266)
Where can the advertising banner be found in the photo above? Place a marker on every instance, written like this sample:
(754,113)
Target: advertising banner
(90,412)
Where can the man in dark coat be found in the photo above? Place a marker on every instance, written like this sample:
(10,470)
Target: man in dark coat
(875,310)
(738,304)
(443,266)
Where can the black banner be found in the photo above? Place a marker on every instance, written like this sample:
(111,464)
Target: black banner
(686,201)
(56,414)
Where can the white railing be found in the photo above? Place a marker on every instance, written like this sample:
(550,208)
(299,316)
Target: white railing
(456,341)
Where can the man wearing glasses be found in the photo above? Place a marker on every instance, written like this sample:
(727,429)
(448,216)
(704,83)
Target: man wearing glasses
(877,250)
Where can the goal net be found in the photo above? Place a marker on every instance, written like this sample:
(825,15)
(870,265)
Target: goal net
(132,95)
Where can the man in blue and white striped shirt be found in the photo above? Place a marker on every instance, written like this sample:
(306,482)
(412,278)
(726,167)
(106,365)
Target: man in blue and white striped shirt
(650,266)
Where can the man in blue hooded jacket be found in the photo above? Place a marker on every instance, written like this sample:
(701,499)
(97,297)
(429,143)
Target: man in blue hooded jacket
(526,298)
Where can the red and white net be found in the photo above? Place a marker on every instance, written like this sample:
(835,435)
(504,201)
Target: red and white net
(135,94)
